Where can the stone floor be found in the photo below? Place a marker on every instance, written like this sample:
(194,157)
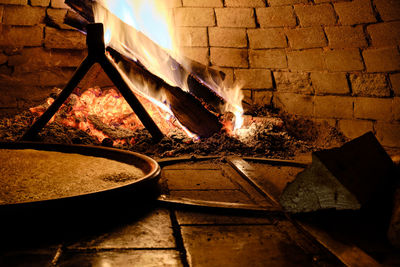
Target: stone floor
(163,234)
(168,237)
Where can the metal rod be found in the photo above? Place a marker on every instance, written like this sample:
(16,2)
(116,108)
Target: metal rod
(129,96)
(62,97)
(96,54)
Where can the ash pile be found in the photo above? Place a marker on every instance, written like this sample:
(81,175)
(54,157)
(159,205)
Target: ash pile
(266,133)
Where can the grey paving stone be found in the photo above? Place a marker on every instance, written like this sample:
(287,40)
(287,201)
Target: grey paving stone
(256,245)
(192,218)
(120,259)
(153,231)
(229,196)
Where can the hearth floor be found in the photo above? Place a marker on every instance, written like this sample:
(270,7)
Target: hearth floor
(170,235)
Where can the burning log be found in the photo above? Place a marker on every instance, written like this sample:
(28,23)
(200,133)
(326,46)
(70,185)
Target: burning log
(343,178)
(199,78)
(186,108)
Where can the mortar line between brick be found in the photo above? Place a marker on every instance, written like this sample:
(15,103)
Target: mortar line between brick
(176,228)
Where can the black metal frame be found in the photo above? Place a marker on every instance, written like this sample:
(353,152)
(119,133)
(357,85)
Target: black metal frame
(96,54)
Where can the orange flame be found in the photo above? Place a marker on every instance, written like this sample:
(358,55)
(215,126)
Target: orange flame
(138,28)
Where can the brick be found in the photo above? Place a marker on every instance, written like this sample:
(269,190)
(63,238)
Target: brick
(369,85)
(294,103)
(262,97)
(388,134)
(355,12)
(38,57)
(229,77)
(326,121)
(16,60)
(14,2)
(64,39)
(280,16)
(286,2)
(396,108)
(301,38)
(267,38)
(173,3)
(58,4)
(235,17)
(385,34)
(343,60)
(315,15)
(245,3)
(191,36)
(40,3)
(199,54)
(373,108)
(23,15)
(21,36)
(3,58)
(203,3)
(330,83)
(274,59)
(388,9)
(254,78)
(395,81)
(382,59)
(194,17)
(54,77)
(229,57)
(57,17)
(227,37)
(293,82)
(346,37)
(311,59)
(247,96)
(355,128)
(338,107)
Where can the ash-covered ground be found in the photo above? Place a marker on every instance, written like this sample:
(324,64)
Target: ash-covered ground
(268,134)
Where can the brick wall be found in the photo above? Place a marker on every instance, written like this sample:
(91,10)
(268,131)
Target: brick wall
(332,60)
(37,51)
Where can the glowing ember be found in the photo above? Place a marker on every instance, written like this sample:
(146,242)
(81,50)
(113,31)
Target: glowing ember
(96,107)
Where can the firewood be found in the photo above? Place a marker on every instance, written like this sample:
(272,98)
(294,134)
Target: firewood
(199,78)
(187,109)
(344,178)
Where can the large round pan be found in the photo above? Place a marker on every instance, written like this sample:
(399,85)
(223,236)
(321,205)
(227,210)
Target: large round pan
(144,186)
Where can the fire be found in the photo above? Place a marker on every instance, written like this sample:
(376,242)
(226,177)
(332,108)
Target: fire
(141,30)
(95,107)
(151,24)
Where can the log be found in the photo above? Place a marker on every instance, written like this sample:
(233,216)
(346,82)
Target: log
(187,109)
(199,78)
(347,178)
